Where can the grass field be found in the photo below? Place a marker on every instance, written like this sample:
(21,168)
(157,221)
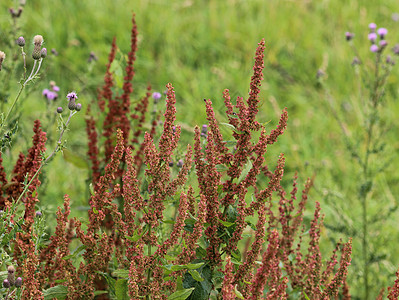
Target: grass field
(203,47)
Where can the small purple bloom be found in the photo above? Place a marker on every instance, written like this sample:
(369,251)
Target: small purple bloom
(78,107)
(60,109)
(156,96)
(396,49)
(38,214)
(45,92)
(383,43)
(389,60)
(204,130)
(372,37)
(374,48)
(372,27)
(18,282)
(51,95)
(349,35)
(180,163)
(72,96)
(382,32)
(56,88)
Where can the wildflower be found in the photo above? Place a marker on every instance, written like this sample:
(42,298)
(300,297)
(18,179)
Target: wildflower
(383,44)
(18,282)
(349,35)
(37,51)
(54,52)
(382,32)
(21,41)
(395,49)
(171,164)
(11,275)
(92,57)
(204,130)
(2,57)
(372,37)
(54,87)
(60,109)
(374,48)
(6,284)
(38,214)
(372,27)
(389,60)
(78,107)
(156,96)
(71,98)
(43,53)
(180,163)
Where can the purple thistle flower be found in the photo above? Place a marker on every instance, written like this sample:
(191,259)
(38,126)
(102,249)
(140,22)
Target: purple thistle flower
(372,37)
(51,95)
(156,96)
(72,96)
(383,43)
(18,282)
(395,49)
(372,27)
(382,32)
(349,35)
(180,163)
(374,48)
(38,214)
(45,92)
(56,88)
(204,130)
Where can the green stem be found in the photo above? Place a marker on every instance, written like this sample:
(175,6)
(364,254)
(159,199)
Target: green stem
(31,76)
(366,176)
(48,158)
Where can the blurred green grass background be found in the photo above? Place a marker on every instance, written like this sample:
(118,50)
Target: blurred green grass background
(203,47)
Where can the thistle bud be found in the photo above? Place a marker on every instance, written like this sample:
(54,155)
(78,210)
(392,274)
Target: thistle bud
(11,275)
(60,109)
(6,284)
(2,57)
(18,282)
(21,41)
(72,104)
(72,100)
(78,106)
(38,214)
(43,53)
(38,40)
(37,51)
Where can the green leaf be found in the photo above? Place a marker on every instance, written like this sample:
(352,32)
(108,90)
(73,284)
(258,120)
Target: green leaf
(77,160)
(121,289)
(245,171)
(121,273)
(238,293)
(221,168)
(182,267)
(196,275)
(226,224)
(58,291)
(181,294)
(135,236)
(202,288)
(76,252)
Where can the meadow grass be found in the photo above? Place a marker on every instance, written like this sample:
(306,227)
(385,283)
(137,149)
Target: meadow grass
(203,47)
